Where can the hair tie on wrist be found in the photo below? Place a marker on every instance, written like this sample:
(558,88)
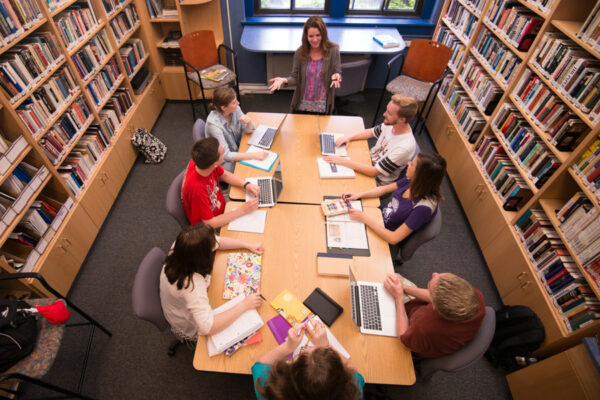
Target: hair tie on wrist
(246,184)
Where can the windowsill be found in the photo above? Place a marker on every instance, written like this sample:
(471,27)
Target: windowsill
(346,21)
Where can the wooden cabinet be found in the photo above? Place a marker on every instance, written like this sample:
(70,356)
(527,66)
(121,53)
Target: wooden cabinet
(68,250)
(567,375)
(151,103)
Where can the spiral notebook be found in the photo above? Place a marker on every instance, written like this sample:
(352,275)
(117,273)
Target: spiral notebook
(242,274)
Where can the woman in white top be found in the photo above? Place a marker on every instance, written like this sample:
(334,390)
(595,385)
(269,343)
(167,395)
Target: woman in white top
(186,277)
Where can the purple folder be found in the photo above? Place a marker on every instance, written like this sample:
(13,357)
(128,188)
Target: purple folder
(279,327)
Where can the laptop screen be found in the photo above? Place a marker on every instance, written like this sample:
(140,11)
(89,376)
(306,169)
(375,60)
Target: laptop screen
(354,298)
(277,182)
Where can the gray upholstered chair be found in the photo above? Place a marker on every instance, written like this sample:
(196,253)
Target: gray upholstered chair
(468,354)
(145,294)
(173,202)
(406,248)
(354,75)
(198,130)
(36,365)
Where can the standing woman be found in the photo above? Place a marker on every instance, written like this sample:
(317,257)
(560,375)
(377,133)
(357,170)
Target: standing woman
(316,70)
(226,123)
(185,279)
(414,202)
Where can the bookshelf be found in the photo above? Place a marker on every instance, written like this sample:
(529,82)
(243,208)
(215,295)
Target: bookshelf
(67,112)
(520,135)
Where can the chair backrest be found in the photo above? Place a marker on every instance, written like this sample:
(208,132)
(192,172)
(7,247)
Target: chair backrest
(426,60)
(469,353)
(354,75)
(145,294)
(173,202)
(198,130)
(199,49)
(408,246)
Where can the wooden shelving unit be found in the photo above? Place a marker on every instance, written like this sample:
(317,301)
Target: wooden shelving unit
(514,273)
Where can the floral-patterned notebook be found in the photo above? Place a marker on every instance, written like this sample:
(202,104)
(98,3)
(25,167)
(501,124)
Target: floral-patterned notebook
(242,274)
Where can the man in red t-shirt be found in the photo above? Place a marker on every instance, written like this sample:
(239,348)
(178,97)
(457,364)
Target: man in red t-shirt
(200,192)
(441,319)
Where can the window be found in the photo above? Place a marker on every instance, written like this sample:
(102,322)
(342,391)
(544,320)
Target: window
(385,6)
(291,6)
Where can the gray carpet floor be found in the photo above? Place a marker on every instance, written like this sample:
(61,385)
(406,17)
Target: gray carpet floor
(133,364)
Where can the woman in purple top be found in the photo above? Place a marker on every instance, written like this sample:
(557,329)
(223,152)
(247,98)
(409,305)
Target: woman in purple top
(316,69)
(414,202)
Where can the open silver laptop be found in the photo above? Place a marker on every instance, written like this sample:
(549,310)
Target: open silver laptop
(327,141)
(373,308)
(270,188)
(263,136)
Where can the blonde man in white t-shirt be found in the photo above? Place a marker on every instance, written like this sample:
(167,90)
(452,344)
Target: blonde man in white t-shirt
(395,145)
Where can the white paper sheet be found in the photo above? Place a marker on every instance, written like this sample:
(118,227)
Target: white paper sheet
(325,171)
(253,222)
(265,164)
(347,235)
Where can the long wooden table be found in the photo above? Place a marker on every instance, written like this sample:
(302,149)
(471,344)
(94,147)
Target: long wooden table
(294,233)
(298,147)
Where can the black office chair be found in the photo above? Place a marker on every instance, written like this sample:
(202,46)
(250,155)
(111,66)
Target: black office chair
(37,364)
(404,250)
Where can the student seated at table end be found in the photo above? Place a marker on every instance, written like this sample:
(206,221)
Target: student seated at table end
(318,372)
(201,195)
(414,201)
(185,279)
(395,145)
(440,319)
(226,123)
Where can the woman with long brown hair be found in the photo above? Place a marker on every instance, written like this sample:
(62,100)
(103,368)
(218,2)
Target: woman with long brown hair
(316,70)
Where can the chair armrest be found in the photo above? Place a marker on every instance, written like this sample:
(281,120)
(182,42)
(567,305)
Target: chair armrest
(226,48)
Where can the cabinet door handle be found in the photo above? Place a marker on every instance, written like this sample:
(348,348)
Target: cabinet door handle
(62,248)
(67,242)
(525,284)
(520,274)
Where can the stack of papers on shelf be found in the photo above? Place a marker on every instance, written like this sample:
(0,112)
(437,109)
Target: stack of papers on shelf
(264,165)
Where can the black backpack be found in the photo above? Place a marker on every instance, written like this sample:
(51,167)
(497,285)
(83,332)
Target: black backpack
(18,332)
(519,332)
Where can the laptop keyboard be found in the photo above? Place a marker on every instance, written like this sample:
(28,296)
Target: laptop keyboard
(328,144)
(266,191)
(267,137)
(369,304)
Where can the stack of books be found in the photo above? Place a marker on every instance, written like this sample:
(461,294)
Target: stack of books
(466,113)
(517,24)
(461,19)
(498,57)
(557,270)
(446,37)
(124,23)
(590,30)
(104,82)
(90,56)
(115,110)
(527,148)
(75,22)
(132,52)
(16,18)
(502,174)
(588,167)
(483,88)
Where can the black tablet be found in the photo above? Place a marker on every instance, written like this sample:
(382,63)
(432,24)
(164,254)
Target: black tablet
(324,306)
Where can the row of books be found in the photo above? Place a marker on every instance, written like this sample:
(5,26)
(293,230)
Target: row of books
(518,24)
(539,101)
(445,85)
(89,58)
(461,19)
(580,223)
(10,151)
(446,37)
(76,22)
(111,6)
(527,148)
(588,167)
(115,110)
(483,88)
(590,30)
(20,176)
(47,101)
(81,161)
(160,8)
(543,5)
(132,52)
(124,22)
(502,174)
(25,64)
(16,16)
(477,5)
(104,82)
(499,58)
(56,141)
(466,113)
(557,271)
(575,74)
